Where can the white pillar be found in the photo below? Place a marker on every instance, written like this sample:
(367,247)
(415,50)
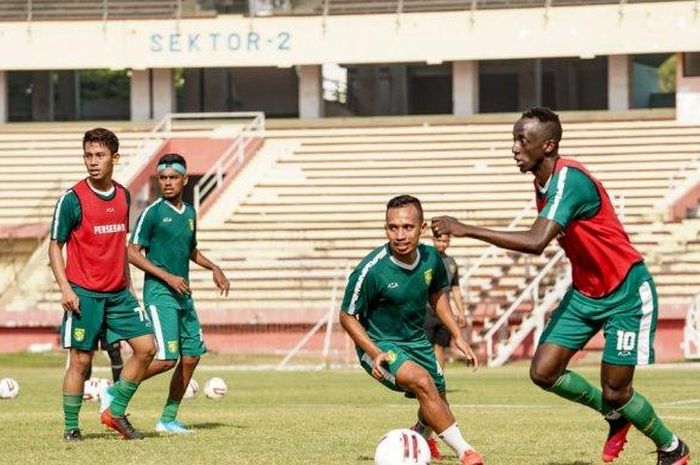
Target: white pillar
(618,82)
(687,95)
(310,97)
(141,95)
(3,97)
(465,88)
(163,92)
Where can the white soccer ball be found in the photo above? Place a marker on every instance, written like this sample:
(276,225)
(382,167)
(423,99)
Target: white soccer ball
(402,447)
(192,389)
(91,390)
(103,383)
(215,388)
(9,388)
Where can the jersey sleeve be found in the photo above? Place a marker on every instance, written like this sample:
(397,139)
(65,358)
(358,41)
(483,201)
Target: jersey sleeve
(439,280)
(143,228)
(571,195)
(359,292)
(66,216)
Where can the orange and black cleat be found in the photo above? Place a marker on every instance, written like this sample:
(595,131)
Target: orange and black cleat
(617,437)
(471,457)
(120,424)
(435,453)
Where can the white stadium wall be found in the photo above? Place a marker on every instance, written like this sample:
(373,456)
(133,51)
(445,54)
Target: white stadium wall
(235,41)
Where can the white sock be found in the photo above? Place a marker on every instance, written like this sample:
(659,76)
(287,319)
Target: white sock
(453,438)
(672,446)
(423,429)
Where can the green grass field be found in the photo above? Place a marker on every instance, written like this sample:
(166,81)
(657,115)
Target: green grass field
(330,418)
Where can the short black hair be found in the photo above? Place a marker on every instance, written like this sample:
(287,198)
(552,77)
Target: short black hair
(547,116)
(102,136)
(402,201)
(170,158)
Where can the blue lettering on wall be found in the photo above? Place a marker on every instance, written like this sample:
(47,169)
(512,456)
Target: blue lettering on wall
(156,45)
(192,42)
(204,42)
(174,42)
(234,41)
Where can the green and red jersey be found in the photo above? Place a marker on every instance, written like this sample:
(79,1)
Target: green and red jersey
(593,238)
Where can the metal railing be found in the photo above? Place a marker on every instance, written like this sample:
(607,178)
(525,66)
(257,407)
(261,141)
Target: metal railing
(234,155)
(50,10)
(496,353)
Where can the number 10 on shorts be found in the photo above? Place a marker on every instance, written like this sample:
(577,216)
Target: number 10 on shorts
(625,340)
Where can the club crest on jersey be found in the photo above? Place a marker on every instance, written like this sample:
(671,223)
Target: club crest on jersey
(428,275)
(191,223)
(172,346)
(167,219)
(79,334)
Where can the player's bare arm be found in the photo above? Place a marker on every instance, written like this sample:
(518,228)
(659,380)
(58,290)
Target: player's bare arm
(459,305)
(532,241)
(359,336)
(137,258)
(441,304)
(69,300)
(218,275)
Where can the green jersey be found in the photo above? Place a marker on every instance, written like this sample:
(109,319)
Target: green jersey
(574,197)
(169,236)
(389,297)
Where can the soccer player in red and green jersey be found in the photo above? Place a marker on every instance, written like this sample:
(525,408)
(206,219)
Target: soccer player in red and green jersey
(612,288)
(91,219)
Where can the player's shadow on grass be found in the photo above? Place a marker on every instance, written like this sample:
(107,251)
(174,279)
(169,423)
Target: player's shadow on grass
(215,425)
(366,458)
(111,435)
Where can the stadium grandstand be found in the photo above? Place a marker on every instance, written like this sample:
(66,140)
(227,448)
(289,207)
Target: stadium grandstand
(298,128)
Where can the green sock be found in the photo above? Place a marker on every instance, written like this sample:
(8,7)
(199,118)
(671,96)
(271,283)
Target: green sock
(170,410)
(123,391)
(641,414)
(574,387)
(71,410)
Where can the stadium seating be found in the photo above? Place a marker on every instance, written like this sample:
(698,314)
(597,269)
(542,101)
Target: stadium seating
(319,208)
(50,10)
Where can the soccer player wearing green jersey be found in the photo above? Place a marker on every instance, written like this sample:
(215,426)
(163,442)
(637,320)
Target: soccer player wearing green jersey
(612,289)
(383,311)
(167,232)
(91,219)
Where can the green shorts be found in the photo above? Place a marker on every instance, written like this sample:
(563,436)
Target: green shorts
(420,352)
(628,317)
(117,313)
(176,327)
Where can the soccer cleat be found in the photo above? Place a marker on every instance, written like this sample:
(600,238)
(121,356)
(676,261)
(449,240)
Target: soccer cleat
(617,437)
(678,456)
(73,435)
(106,398)
(172,427)
(435,453)
(471,457)
(120,424)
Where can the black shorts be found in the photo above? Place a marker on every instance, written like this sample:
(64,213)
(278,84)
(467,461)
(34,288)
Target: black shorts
(438,334)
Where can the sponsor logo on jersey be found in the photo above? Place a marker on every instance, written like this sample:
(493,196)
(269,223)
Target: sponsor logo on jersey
(109,228)
(191,223)
(110,210)
(391,357)
(167,219)
(428,275)
(79,334)
(393,285)
(172,346)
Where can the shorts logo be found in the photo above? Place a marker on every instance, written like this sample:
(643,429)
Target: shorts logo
(393,285)
(172,346)
(391,357)
(428,275)
(79,334)
(191,223)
